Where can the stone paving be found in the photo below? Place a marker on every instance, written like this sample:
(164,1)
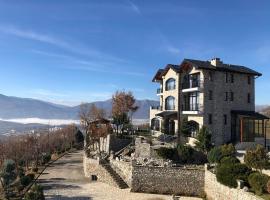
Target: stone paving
(64,180)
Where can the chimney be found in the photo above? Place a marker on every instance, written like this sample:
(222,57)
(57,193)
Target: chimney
(216,62)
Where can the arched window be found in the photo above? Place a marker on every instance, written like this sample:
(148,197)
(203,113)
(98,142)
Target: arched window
(170,103)
(170,84)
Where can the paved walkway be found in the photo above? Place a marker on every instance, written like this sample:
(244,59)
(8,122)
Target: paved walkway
(64,180)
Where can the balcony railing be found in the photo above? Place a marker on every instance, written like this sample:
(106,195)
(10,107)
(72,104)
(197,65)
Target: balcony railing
(159,90)
(156,107)
(191,84)
(191,107)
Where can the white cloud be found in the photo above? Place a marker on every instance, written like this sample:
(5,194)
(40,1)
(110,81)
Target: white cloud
(134,7)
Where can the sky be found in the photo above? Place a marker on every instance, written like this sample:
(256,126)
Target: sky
(68,52)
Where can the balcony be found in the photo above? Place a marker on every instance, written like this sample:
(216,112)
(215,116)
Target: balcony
(191,85)
(191,108)
(156,108)
(159,91)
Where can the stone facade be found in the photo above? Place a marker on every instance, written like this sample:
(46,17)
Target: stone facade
(168,180)
(216,191)
(218,83)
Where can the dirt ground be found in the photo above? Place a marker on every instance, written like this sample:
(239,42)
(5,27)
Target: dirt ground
(64,180)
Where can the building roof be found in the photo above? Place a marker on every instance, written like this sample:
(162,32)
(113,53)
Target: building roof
(251,114)
(199,64)
(222,67)
(162,72)
(167,114)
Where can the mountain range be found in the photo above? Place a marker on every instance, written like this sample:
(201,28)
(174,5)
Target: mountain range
(15,107)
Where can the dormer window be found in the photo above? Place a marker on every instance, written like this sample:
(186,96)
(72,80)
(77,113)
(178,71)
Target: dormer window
(170,84)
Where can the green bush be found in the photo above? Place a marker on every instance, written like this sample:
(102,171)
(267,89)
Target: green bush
(214,155)
(166,153)
(203,142)
(257,159)
(258,182)
(229,160)
(228,173)
(228,150)
(25,180)
(36,193)
(46,158)
(185,153)
(31,176)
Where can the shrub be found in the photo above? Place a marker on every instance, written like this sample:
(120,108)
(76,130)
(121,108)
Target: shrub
(228,150)
(36,193)
(35,169)
(214,155)
(228,173)
(258,182)
(257,159)
(185,129)
(25,180)
(46,158)
(166,153)
(185,153)
(203,142)
(8,173)
(229,160)
(268,186)
(31,176)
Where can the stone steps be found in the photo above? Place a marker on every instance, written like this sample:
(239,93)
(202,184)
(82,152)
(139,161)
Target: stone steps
(118,180)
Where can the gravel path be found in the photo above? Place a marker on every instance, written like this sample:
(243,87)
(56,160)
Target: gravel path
(64,180)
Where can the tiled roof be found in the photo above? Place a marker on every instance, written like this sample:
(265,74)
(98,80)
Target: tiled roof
(222,67)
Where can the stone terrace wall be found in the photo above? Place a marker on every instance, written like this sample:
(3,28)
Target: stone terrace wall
(93,167)
(168,180)
(216,191)
(124,169)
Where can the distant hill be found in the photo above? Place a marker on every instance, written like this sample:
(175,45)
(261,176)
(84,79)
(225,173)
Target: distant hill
(15,107)
(266,111)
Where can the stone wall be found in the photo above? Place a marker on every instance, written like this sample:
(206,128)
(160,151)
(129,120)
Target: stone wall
(168,180)
(93,167)
(216,191)
(124,169)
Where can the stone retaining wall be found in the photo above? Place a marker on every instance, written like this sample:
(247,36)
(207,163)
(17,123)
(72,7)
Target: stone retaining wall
(93,167)
(216,191)
(168,180)
(124,169)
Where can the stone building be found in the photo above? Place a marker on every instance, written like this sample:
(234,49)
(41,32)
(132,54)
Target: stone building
(209,93)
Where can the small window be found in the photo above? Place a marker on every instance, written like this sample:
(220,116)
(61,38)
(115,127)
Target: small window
(225,119)
(232,78)
(249,80)
(232,96)
(210,119)
(248,98)
(211,76)
(210,95)
(226,77)
(226,96)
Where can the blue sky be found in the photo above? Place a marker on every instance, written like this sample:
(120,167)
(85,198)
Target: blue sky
(70,51)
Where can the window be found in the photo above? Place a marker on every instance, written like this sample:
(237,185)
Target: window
(226,96)
(211,76)
(248,97)
(191,102)
(210,95)
(225,119)
(210,119)
(232,78)
(170,103)
(226,77)
(232,96)
(249,80)
(170,84)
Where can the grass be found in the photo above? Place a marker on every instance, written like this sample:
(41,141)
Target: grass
(265,196)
